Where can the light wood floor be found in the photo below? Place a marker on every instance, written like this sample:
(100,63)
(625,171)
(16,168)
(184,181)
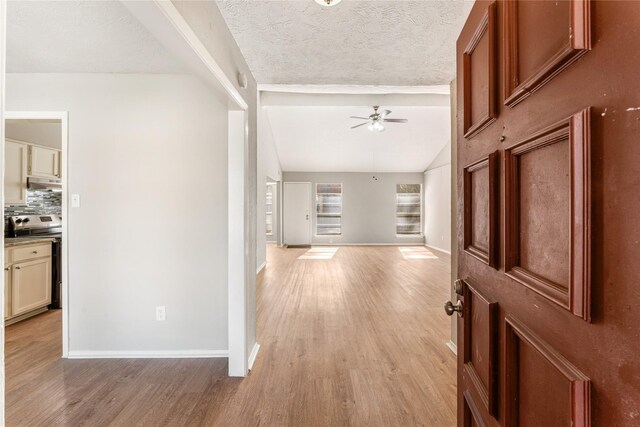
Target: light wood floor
(355,340)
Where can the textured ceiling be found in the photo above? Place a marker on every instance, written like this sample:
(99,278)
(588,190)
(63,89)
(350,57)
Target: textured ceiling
(319,138)
(81,37)
(353,42)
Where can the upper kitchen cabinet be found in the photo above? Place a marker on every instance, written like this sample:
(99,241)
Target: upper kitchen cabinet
(44,162)
(15,172)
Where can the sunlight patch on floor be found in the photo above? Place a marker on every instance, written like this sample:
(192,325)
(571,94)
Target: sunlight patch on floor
(319,253)
(416,252)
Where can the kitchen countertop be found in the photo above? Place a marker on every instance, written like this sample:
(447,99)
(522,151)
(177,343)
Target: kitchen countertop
(19,241)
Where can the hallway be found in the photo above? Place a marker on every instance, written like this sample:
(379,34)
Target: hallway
(358,339)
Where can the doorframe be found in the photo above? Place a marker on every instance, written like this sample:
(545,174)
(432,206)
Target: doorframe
(310,184)
(63,117)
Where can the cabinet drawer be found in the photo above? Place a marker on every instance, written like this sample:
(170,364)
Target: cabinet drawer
(30,252)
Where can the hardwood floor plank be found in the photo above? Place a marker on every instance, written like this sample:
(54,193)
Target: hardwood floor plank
(358,339)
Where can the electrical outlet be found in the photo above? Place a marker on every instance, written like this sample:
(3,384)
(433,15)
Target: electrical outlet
(161,313)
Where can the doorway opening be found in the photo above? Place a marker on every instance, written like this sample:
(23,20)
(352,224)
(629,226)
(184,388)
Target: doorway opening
(35,239)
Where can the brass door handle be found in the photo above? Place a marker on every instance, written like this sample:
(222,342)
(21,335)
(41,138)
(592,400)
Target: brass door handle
(450,308)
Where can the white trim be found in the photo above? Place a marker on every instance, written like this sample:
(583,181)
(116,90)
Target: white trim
(355,89)
(263,265)
(453,347)
(148,354)
(438,249)
(237,242)
(253,355)
(63,116)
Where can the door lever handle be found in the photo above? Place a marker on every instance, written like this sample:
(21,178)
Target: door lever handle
(451,308)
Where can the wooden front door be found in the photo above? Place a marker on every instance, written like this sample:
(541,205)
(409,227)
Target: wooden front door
(549,214)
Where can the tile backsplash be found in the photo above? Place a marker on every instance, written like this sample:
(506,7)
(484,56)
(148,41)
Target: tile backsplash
(39,202)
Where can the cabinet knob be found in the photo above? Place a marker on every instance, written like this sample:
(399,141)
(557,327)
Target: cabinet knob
(6,269)
(18,268)
(35,252)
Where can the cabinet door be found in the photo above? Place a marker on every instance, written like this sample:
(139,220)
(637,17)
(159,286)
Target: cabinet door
(15,173)
(31,286)
(7,292)
(45,162)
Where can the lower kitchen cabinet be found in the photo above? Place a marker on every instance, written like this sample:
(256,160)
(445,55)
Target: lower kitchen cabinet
(7,293)
(31,286)
(27,278)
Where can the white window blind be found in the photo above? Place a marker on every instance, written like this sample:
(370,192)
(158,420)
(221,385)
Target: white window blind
(328,209)
(408,209)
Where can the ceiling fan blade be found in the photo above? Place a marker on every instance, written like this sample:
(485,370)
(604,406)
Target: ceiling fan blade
(396,120)
(385,113)
(361,118)
(361,124)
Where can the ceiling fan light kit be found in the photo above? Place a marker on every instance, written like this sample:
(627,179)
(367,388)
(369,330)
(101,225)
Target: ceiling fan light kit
(376,120)
(328,2)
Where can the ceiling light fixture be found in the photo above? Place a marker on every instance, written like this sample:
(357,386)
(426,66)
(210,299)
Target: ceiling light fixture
(328,2)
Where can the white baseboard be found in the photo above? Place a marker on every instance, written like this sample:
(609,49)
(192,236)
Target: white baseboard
(368,244)
(453,347)
(145,354)
(263,265)
(253,355)
(438,249)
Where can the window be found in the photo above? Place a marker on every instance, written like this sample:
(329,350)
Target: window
(328,209)
(269,210)
(408,208)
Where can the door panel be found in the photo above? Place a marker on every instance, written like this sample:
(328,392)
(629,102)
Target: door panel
(297,213)
(481,189)
(480,345)
(542,387)
(541,39)
(547,199)
(566,129)
(480,76)
(472,417)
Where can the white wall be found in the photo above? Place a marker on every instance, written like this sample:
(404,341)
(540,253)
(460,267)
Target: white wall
(268,167)
(437,201)
(147,153)
(368,205)
(207,23)
(437,207)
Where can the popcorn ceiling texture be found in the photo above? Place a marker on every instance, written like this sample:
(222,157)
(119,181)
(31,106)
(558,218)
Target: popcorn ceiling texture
(354,42)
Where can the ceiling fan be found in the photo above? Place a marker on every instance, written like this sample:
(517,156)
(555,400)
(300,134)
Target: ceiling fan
(376,120)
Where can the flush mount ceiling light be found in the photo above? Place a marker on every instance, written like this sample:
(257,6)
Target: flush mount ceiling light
(328,2)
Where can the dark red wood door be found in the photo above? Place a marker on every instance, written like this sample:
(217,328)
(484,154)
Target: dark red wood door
(549,214)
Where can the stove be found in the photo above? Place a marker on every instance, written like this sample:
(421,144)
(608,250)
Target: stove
(30,226)
(35,225)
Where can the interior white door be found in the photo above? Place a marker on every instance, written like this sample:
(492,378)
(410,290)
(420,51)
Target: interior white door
(297,213)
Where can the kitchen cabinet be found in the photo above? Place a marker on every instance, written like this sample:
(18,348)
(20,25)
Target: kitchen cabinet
(27,279)
(30,285)
(7,293)
(44,162)
(15,173)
